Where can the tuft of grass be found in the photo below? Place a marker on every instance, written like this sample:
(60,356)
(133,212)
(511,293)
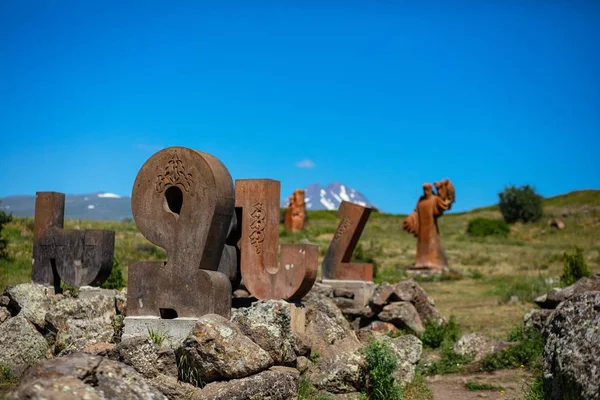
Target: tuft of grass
(450,362)
(474,386)
(526,288)
(186,372)
(535,391)
(528,352)
(118,326)
(418,389)
(381,364)
(7,380)
(574,267)
(157,337)
(435,333)
(314,356)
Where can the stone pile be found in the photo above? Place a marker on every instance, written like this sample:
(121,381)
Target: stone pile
(389,308)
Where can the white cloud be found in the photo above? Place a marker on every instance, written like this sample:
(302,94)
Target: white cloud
(305,164)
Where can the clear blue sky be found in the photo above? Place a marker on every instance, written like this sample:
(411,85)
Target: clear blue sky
(380,95)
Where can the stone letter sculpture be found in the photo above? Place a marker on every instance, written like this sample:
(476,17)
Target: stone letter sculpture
(295,214)
(336,264)
(258,203)
(182,201)
(422,223)
(77,257)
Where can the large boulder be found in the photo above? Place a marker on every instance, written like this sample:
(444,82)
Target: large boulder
(343,372)
(570,360)
(407,349)
(218,349)
(268,324)
(409,290)
(477,346)
(82,376)
(31,301)
(21,345)
(277,383)
(536,319)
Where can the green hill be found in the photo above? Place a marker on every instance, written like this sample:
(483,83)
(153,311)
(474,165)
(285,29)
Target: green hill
(493,279)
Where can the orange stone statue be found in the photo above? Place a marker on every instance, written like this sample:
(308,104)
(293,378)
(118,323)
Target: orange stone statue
(295,215)
(422,223)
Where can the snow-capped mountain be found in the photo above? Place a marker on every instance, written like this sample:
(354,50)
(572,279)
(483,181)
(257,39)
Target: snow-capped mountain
(330,197)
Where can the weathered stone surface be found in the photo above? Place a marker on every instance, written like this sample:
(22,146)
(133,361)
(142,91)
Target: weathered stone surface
(220,350)
(536,319)
(422,223)
(277,383)
(376,329)
(340,373)
(321,290)
(478,346)
(4,314)
(570,360)
(342,396)
(31,301)
(403,315)
(241,293)
(263,275)
(99,349)
(557,295)
(343,303)
(84,376)
(303,364)
(336,263)
(411,291)
(76,257)
(268,324)
(4,301)
(408,349)
(21,345)
(382,296)
(295,214)
(327,306)
(156,364)
(182,201)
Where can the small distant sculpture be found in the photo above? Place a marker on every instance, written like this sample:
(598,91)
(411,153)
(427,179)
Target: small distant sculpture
(295,215)
(422,223)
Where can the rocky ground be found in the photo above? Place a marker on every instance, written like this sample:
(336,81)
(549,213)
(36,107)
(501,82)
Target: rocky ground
(69,345)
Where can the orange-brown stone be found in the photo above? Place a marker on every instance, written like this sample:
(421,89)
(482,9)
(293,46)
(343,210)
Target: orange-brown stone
(295,214)
(422,223)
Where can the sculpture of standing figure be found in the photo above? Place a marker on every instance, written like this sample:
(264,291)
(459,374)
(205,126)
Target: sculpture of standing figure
(422,223)
(295,214)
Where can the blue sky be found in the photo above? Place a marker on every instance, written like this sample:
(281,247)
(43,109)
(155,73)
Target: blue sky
(380,95)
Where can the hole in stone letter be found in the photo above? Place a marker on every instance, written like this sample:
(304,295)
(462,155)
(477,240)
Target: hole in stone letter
(173,200)
(168,313)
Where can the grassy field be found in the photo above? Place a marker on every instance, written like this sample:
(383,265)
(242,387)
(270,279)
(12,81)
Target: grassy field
(493,279)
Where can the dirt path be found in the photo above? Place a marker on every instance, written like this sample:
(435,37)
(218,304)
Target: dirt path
(451,387)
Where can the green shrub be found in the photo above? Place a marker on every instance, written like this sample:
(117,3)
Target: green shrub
(449,361)
(482,227)
(417,389)
(435,333)
(473,386)
(115,280)
(574,267)
(7,380)
(520,204)
(4,219)
(535,391)
(381,364)
(528,352)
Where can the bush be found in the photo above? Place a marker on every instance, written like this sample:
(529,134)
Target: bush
(482,227)
(4,219)
(381,364)
(520,204)
(435,333)
(115,280)
(574,267)
(528,352)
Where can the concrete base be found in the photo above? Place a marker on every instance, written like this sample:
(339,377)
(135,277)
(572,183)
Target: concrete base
(363,290)
(174,330)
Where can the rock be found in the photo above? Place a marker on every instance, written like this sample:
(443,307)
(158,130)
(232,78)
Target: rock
(277,383)
(327,306)
(556,223)
(121,302)
(570,359)
(4,314)
(339,373)
(4,301)
(343,396)
(155,363)
(557,296)
(320,289)
(303,347)
(84,376)
(218,349)
(99,349)
(381,296)
(241,293)
(325,336)
(536,319)
(478,346)
(21,345)
(268,324)
(365,312)
(403,315)
(303,364)
(79,322)
(343,292)
(376,328)
(30,301)
(408,349)
(409,290)
(343,303)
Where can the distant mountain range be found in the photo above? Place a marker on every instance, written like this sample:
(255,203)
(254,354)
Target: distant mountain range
(112,207)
